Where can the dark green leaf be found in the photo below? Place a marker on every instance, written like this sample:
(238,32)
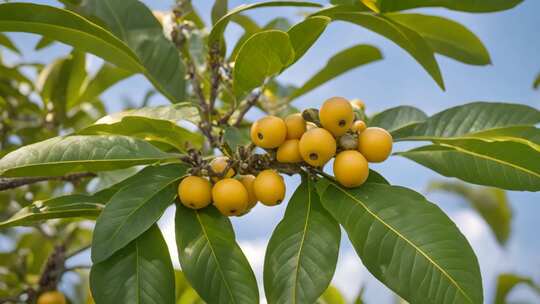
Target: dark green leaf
(216,34)
(68,154)
(503,164)
(340,63)
(140,273)
(375,177)
(134,209)
(6,42)
(478,6)
(302,253)
(211,259)
(491,203)
(263,55)
(219,10)
(406,38)
(144,35)
(536,82)
(43,43)
(396,118)
(406,242)
(304,34)
(446,37)
(507,281)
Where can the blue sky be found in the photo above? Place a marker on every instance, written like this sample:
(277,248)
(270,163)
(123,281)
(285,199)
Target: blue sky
(512,40)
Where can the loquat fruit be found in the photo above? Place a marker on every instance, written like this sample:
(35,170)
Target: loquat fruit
(351,168)
(289,152)
(230,196)
(269,187)
(359,126)
(358,104)
(248,182)
(218,165)
(317,146)
(336,115)
(268,132)
(195,192)
(52,297)
(296,126)
(375,144)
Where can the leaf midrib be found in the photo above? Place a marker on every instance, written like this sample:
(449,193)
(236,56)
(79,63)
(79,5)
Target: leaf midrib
(375,216)
(300,249)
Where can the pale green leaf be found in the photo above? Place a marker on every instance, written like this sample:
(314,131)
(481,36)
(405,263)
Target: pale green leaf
(507,281)
(332,295)
(477,6)
(304,34)
(396,118)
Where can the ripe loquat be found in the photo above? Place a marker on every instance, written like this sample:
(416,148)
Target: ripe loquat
(358,104)
(336,115)
(248,182)
(289,152)
(230,196)
(375,144)
(195,192)
(359,126)
(218,165)
(269,187)
(268,132)
(52,297)
(351,168)
(317,146)
(296,126)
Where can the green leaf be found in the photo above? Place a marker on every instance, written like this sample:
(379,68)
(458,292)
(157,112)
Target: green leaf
(43,43)
(507,281)
(469,119)
(507,165)
(491,204)
(219,10)
(216,34)
(446,37)
(304,34)
(153,130)
(140,273)
(211,259)
(144,35)
(536,83)
(376,177)
(174,113)
(262,56)
(6,42)
(107,76)
(406,242)
(406,38)
(478,6)
(134,209)
(302,253)
(396,118)
(332,295)
(340,63)
(235,137)
(68,206)
(68,154)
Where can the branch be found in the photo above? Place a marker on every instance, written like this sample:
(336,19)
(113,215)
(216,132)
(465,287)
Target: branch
(10,183)
(250,102)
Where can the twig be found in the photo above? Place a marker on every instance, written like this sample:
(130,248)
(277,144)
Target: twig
(78,251)
(214,61)
(10,183)
(250,102)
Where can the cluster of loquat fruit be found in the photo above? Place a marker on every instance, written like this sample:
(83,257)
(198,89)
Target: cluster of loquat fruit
(335,130)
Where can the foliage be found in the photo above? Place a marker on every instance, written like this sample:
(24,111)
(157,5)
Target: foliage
(56,131)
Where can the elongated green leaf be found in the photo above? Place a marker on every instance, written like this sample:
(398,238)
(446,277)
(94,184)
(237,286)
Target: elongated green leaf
(67,27)
(332,295)
(43,43)
(506,165)
(470,118)
(339,64)
(478,6)
(491,204)
(263,55)
(396,118)
(216,34)
(154,130)
(140,273)
(304,34)
(144,35)
(507,281)
(406,38)
(211,259)
(68,154)
(6,42)
(174,113)
(527,135)
(219,10)
(107,76)
(133,210)
(302,253)
(536,82)
(406,242)
(446,37)
(76,205)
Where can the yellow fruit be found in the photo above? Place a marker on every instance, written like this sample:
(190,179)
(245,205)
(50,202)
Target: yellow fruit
(195,192)
(269,187)
(375,144)
(52,297)
(359,126)
(317,146)
(218,165)
(351,168)
(268,132)
(230,196)
(296,126)
(248,182)
(358,104)
(289,152)
(336,115)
